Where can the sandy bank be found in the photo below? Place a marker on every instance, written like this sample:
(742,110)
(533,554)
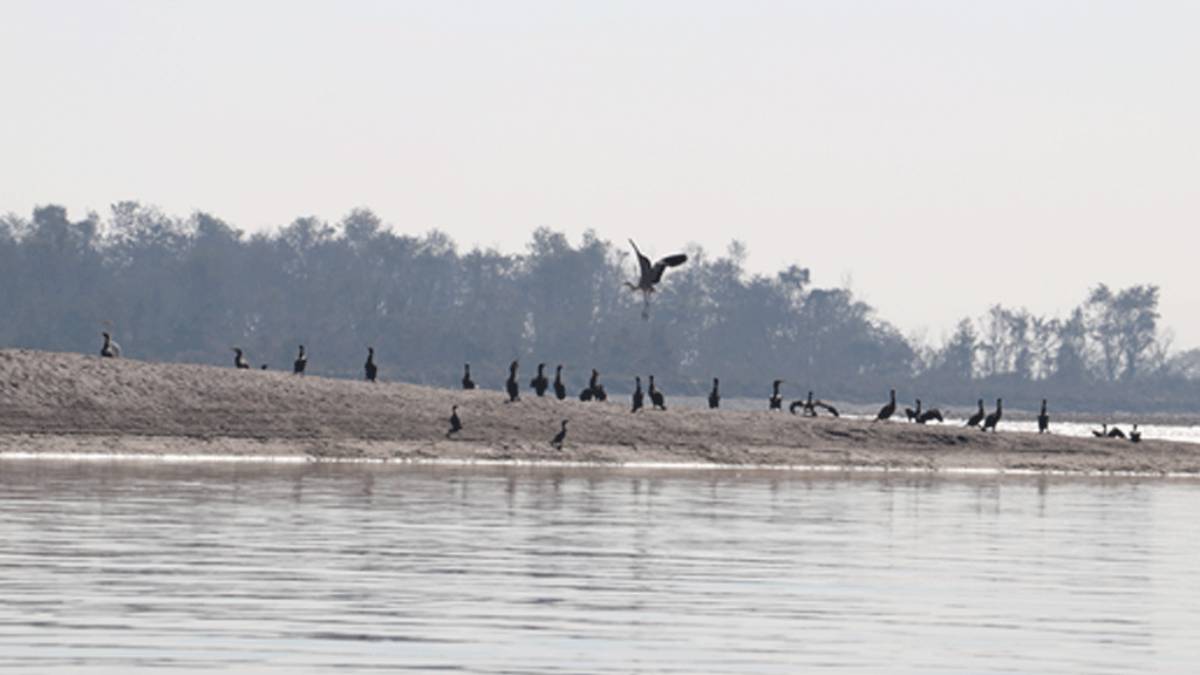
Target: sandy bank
(69,403)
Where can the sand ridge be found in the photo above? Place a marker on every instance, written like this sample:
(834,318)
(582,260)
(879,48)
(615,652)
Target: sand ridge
(67,403)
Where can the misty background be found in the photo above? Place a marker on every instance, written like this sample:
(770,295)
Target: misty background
(935,156)
(190,288)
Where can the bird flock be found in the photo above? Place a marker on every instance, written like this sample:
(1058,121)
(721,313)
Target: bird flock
(594,391)
(649,276)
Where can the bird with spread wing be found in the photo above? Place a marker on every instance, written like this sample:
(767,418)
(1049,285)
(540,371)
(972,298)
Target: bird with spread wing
(649,275)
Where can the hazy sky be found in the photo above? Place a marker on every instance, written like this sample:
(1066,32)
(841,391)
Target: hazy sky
(937,156)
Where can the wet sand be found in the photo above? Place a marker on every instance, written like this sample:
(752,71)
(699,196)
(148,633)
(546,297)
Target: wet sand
(56,404)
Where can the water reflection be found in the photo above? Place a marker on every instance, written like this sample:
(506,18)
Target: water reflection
(108,567)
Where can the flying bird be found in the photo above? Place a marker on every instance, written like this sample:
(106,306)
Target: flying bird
(649,275)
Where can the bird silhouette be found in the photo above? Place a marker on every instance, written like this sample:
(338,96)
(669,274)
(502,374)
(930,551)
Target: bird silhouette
(560,389)
(510,385)
(714,396)
(467,382)
(239,359)
(561,436)
(1043,419)
(649,275)
(977,419)
(656,396)
(110,349)
(539,383)
(639,398)
(369,368)
(776,401)
(888,408)
(455,423)
(300,363)
(994,418)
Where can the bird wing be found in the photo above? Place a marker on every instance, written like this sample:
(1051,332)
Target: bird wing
(662,265)
(643,261)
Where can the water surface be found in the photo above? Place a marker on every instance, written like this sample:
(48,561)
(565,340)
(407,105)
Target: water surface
(113,567)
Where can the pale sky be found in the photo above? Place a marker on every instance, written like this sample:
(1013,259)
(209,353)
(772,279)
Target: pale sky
(941,156)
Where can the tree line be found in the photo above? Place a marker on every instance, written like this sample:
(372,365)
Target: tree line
(188,289)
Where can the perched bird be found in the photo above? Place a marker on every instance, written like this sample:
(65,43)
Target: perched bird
(264,366)
(110,349)
(911,414)
(714,396)
(888,409)
(656,396)
(510,385)
(239,360)
(994,418)
(776,401)
(1135,436)
(639,399)
(467,382)
(300,363)
(977,419)
(804,404)
(933,414)
(595,390)
(1116,433)
(539,383)
(561,436)
(649,275)
(1043,419)
(1103,433)
(369,368)
(560,389)
(455,423)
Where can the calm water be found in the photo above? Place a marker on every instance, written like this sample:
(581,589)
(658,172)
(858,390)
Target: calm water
(117,566)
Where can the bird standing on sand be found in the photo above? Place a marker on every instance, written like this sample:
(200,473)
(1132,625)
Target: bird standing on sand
(110,349)
(560,389)
(828,408)
(370,370)
(714,396)
(1103,433)
(649,275)
(889,408)
(300,363)
(656,396)
(933,414)
(539,383)
(595,390)
(455,423)
(1116,432)
(639,399)
(510,385)
(977,419)
(776,401)
(239,360)
(1135,436)
(561,436)
(994,418)
(1043,419)
(911,414)
(467,382)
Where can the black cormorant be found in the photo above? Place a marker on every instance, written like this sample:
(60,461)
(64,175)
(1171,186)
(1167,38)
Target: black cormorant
(110,349)
(369,368)
(539,383)
(1116,433)
(467,382)
(776,401)
(639,399)
(977,419)
(561,436)
(911,414)
(931,415)
(510,385)
(300,363)
(455,423)
(1135,436)
(595,390)
(993,419)
(649,275)
(239,360)
(560,389)
(1103,433)
(656,396)
(714,396)
(888,409)
(1043,419)
(828,408)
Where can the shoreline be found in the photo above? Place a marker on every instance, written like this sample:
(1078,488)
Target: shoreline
(64,405)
